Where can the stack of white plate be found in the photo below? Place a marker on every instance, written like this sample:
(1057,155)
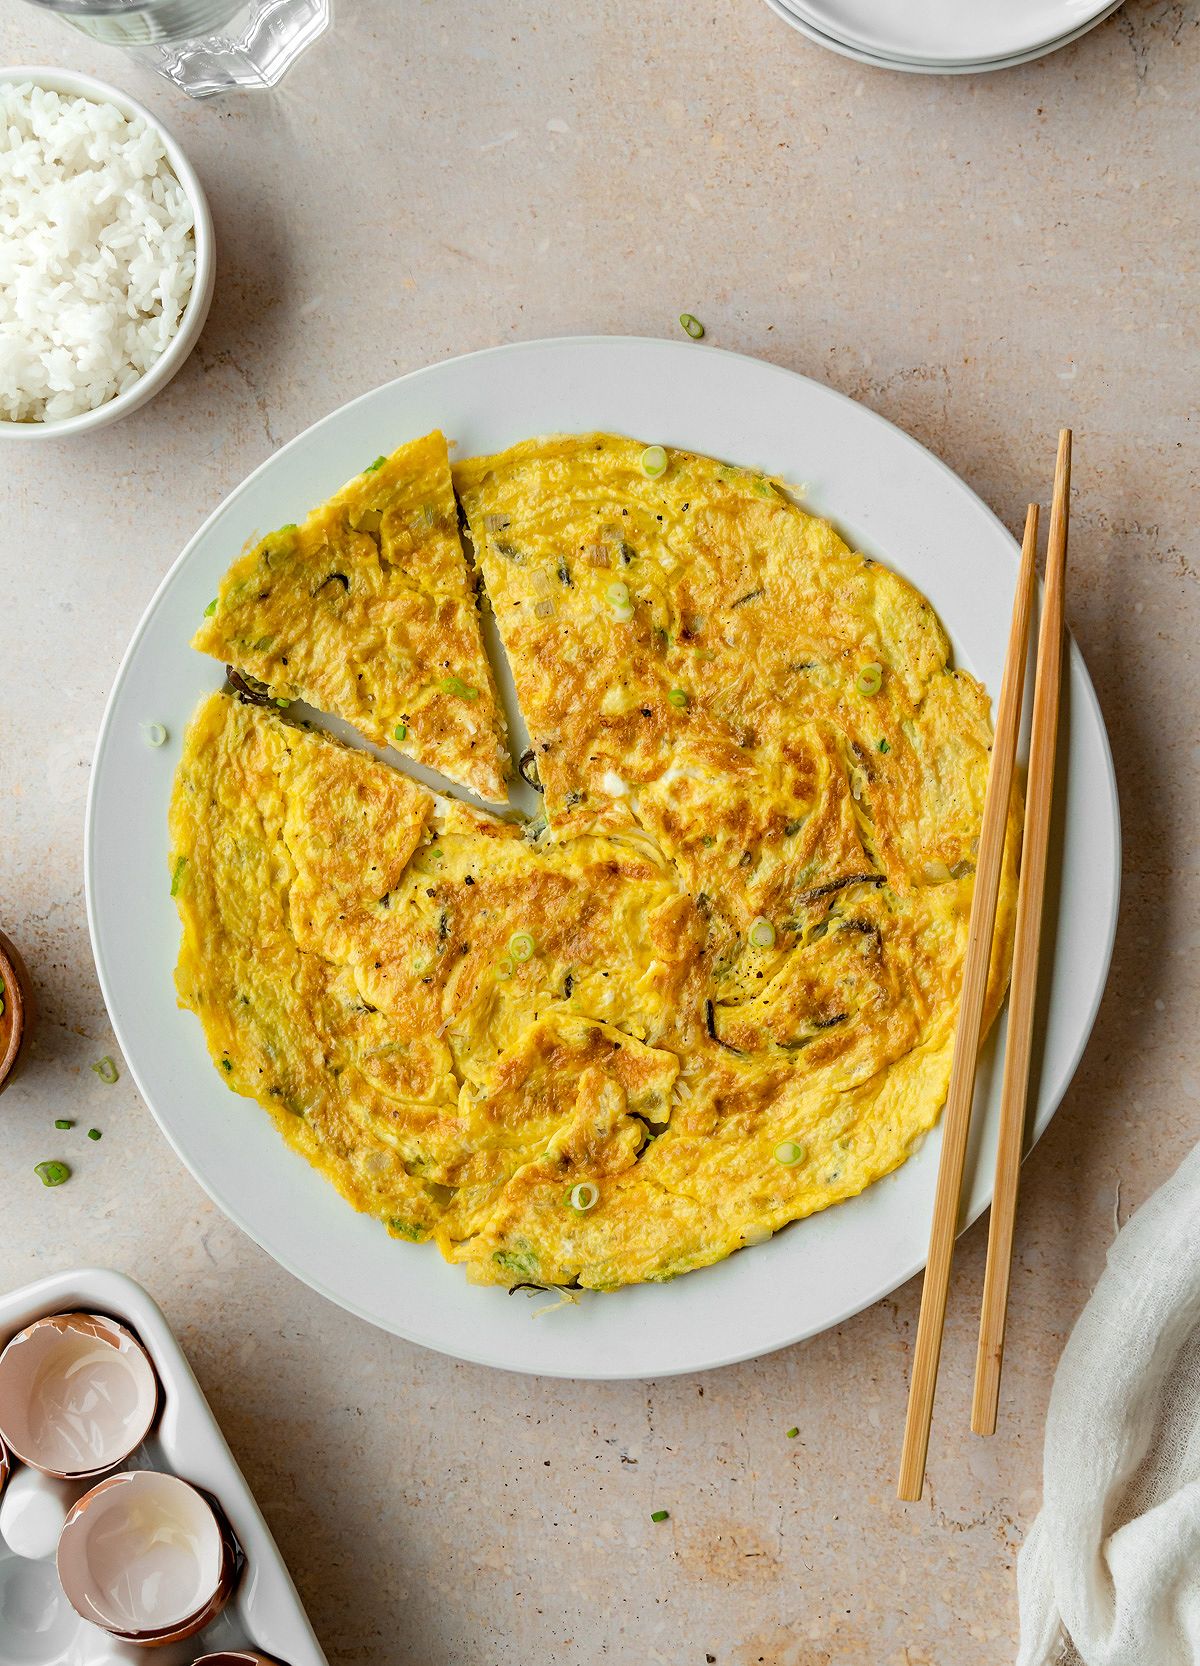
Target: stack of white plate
(943,37)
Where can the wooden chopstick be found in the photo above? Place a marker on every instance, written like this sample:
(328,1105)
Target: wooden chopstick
(957,1117)
(1042,748)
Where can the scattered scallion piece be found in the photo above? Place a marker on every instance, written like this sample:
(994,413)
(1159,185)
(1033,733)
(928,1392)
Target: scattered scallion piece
(280,701)
(691,325)
(93,1133)
(64,1122)
(790,1152)
(227,1064)
(660,1515)
(291,525)
(884,746)
(678,697)
(52,1173)
(106,1070)
(654,461)
(211,608)
(521,945)
(583,1197)
(155,734)
(401,731)
(762,933)
(455,685)
(792,1433)
(504,969)
(869,679)
(377,464)
(177,875)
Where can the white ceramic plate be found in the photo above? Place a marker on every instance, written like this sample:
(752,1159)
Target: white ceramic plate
(793,15)
(38,1626)
(892,499)
(948,31)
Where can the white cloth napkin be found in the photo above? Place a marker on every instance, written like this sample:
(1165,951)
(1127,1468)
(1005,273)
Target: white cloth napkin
(1110,1572)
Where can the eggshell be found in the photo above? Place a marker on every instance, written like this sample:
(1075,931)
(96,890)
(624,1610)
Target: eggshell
(51,1427)
(127,1524)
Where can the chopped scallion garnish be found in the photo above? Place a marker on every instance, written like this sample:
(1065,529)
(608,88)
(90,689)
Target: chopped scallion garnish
(678,697)
(377,464)
(792,1433)
(106,1070)
(869,679)
(660,1515)
(654,461)
(762,933)
(583,1197)
(504,969)
(401,731)
(93,1133)
(155,734)
(455,685)
(790,1152)
(52,1173)
(64,1122)
(211,608)
(883,745)
(692,325)
(521,945)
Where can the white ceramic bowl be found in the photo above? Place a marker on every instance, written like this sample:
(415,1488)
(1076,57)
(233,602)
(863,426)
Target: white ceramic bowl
(199,301)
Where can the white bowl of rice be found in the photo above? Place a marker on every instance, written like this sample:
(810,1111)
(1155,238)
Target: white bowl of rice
(106,254)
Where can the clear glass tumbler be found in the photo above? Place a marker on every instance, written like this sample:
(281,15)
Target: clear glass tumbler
(203,46)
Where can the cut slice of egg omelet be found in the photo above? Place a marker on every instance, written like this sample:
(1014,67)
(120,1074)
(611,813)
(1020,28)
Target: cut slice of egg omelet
(367,610)
(713,991)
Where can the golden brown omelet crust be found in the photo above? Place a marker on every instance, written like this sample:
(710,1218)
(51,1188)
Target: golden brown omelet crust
(368,610)
(474,1019)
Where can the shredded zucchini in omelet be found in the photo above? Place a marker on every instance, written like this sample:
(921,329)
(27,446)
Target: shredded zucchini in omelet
(712,991)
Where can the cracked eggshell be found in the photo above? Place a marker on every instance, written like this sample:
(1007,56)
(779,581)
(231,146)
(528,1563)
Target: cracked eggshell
(147,1557)
(78,1394)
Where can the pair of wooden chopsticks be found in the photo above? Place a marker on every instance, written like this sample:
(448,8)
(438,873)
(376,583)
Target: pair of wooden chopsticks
(957,1118)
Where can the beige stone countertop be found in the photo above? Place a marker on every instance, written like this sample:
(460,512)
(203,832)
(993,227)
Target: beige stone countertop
(981,259)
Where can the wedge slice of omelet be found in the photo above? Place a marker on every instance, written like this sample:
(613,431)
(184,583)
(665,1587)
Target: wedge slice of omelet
(367,609)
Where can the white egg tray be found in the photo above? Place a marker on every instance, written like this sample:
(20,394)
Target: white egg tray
(38,1627)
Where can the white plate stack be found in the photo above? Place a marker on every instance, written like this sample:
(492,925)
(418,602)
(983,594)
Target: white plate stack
(943,37)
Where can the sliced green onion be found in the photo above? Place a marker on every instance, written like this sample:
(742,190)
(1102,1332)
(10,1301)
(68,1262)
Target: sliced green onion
(583,1197)
(790,1152)
(869,679)
(654,461)
(177,875)
(504,969)
(692,325)
(762,933)
(678,697)
(521,945)
(64,1122)
(401,731)
(93,1133)
(155,734)
(52,1173)
(211,608)
(660,1515)
(884,746)
(226,1064)
(280,701)
(291,525)
(106,1070)
(792,1433)
(420,963)
(455,685)
(377,464)
(618,594)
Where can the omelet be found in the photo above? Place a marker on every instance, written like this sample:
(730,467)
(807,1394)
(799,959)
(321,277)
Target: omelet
(367,609)
(712,990)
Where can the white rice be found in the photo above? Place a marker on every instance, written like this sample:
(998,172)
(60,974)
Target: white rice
(97,253)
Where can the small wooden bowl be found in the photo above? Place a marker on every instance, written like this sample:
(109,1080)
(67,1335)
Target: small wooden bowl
(17,1021)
